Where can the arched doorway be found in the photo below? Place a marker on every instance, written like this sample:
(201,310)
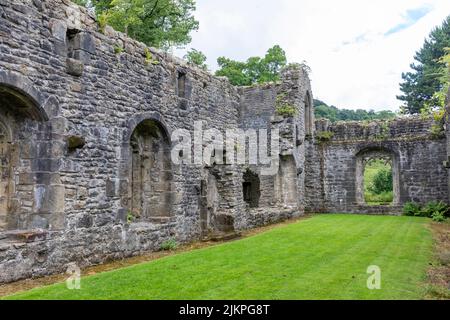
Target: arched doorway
(151,173)
(377,177)
(22,120)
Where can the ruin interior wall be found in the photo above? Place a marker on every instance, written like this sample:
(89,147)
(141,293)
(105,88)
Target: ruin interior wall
(86,119)
(418,153)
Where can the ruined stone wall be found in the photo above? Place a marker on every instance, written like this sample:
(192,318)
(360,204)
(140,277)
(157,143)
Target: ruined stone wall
(417,154)
(258,111)
(86,120)
(75,97)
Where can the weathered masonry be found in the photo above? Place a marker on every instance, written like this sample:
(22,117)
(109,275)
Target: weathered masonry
(340,152)
(87,117)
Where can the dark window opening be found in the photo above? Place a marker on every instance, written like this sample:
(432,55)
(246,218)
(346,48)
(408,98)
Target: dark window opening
(247,187)
(251,189)
(70,40)
(181,84)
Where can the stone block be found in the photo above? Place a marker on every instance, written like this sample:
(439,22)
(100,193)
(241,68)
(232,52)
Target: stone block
(84,41)
(58,29)
(49,199)
(75,67)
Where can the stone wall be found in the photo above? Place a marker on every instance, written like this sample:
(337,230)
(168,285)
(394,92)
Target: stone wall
(87,117)
(85,121)
(417,160)
(258,110)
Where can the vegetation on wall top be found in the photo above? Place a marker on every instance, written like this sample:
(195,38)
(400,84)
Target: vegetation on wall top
(196,57)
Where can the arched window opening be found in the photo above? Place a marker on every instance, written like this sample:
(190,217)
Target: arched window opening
(251,189)
(151,194)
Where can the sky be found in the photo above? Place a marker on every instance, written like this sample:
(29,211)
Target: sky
(357,49)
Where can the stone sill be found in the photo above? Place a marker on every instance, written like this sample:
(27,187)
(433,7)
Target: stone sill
(152,223)
(22,236)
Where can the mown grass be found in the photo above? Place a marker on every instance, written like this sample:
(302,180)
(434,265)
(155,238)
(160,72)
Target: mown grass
(324,257)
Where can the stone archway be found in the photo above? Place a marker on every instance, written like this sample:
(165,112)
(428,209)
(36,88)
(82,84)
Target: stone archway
(151,173)
(363,158)
(25,157)
(19,96)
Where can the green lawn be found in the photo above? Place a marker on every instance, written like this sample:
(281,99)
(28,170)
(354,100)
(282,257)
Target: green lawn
(324,257)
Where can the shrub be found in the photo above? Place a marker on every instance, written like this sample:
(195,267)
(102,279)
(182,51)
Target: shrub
(411,209)
(438,211)
(169,245)
(382,182)
(435,208)
(286,110)
(118,50)
(325,136)
(437,131)
(149,58)
(438,217)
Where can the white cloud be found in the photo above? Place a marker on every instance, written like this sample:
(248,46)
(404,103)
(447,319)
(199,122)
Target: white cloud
(354,63)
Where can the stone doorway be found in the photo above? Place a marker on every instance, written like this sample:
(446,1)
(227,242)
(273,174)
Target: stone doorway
(151,174)
(367,158)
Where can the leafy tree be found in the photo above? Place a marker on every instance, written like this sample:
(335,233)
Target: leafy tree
(382,182)
(332,113)
(159,23)
(196,57)
(420,85)
(255,69)
(235,71)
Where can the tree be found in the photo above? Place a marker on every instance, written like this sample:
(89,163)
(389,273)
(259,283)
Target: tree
(323,111)
(255,69)
(158,23)
(196,57)
(235,71)
(382,182)
(420,85)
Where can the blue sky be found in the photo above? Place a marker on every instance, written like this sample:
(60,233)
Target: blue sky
(411,17)
(357,49)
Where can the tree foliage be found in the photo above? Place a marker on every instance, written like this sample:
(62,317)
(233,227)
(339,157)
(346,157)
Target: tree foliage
(158,23)
(332,113)
(196,57)
(420,86)
(382,182)
(255,69)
